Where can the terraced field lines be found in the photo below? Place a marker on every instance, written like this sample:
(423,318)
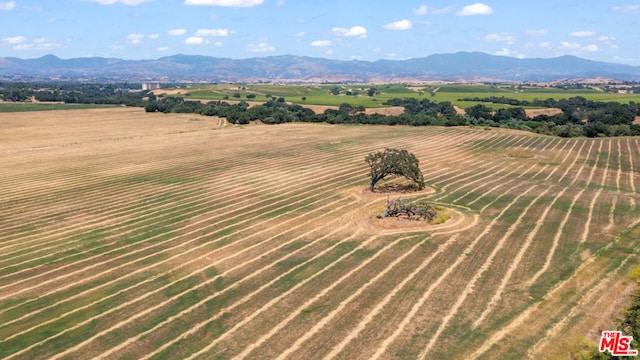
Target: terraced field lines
(485,181)
(149,294)
(490,178)
(160,289)
(309,302)
(485,266)
(575,310)
(597,285)
(130,222)
(453,156)
(523,248)
(493,189)
(493,178)
(631,170)
(468,159)
(197,327)
(563,223)
(149,239)
(585,233)
(386,300)
(619,160)
(218,208)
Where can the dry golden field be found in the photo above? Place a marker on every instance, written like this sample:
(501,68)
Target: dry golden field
(128,235)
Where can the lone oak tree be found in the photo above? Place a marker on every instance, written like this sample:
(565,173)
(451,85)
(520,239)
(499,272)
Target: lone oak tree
(394,162)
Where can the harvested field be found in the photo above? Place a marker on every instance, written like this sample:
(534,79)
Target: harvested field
(151,236)
(531,113)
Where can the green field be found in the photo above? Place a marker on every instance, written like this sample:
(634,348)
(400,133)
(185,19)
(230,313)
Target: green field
(21,107)
(320,95)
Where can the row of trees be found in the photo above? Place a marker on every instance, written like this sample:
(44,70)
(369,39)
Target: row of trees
(574,110)
(421,113)
(71,93)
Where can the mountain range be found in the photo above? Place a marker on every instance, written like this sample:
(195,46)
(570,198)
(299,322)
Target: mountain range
(461,66)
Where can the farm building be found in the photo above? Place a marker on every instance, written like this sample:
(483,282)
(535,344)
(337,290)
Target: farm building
(150,86)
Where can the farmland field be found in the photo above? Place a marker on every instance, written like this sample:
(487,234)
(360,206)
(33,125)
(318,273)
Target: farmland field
(320,95)
(19,107)
(129,235)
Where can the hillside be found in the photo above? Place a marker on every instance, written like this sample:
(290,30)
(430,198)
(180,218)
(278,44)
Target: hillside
(462,66)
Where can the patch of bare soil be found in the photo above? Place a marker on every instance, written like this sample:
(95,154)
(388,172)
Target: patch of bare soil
(531,113)
(389,111)
(636,121)
(319,109)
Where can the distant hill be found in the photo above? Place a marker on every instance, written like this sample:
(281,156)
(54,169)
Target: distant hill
(469,66)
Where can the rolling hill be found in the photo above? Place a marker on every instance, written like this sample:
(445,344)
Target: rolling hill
(470,66)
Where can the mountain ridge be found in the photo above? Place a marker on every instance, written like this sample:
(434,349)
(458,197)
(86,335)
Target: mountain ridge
(460,66)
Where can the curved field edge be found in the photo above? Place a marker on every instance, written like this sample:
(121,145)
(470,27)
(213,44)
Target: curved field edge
(150,236)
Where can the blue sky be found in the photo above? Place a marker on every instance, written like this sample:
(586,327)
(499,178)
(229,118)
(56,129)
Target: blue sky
(606,30)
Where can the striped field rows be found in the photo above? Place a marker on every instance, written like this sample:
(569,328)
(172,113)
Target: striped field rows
(135,236)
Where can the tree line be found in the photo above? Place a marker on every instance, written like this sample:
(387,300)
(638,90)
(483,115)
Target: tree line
(129,94)
(580,117)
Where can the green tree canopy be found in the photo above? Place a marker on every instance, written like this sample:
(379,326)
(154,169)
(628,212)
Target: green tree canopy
(394,162)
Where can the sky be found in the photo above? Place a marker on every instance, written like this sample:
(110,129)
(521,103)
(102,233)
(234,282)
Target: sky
(604,30)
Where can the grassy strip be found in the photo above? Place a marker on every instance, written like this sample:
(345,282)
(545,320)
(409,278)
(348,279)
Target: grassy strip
(23,107)
(321,95)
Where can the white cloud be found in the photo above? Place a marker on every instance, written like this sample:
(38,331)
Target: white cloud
(163,49)
(574,46)
(135,39)
(177,32)
(626,9)
(422,10)
(507,38)
(37,44)
(591,48)
(403,24)
(507,52)
(570,45)
(537,32)
(280,3)
(321,43)
(585,33)
(194,40)
(329,52)
(14,40)
(154,36)
(225,3)
(354,31)
(213,32)
(8,6)
(112,2)
(300,34)
(475,9)
(607,38)
(261,47)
